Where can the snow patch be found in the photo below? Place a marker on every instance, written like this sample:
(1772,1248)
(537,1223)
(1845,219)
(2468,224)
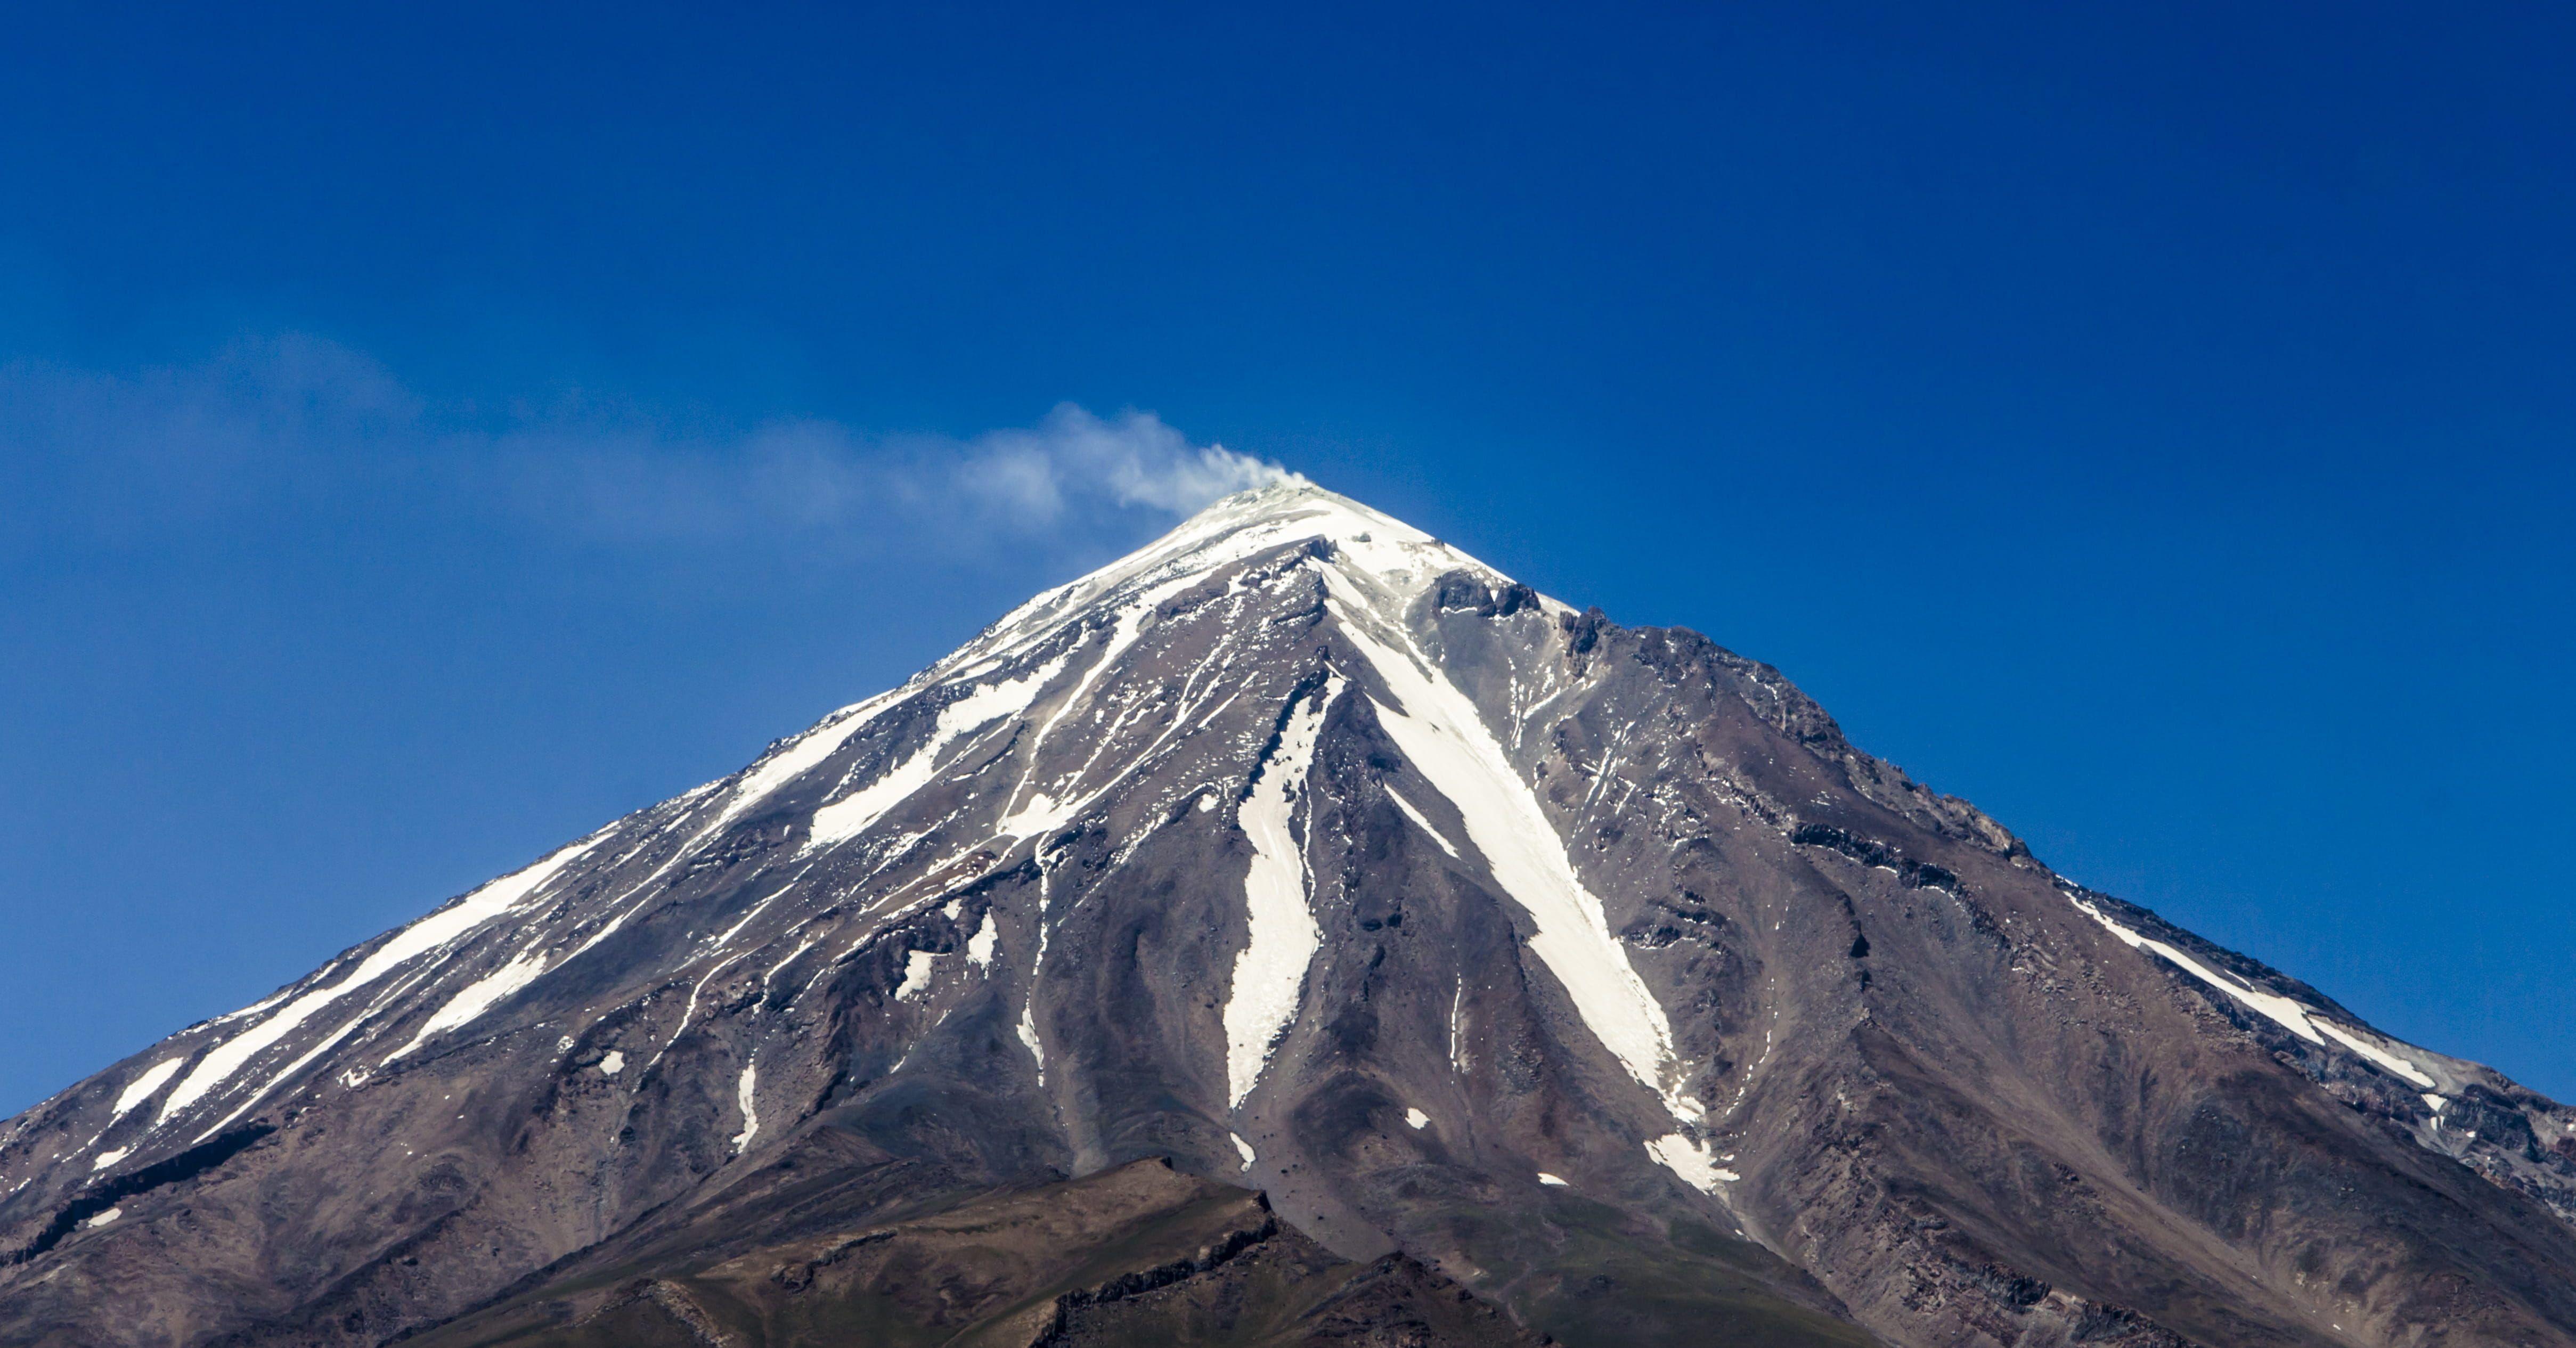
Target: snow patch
(1415,1118)
(2375,1053)
(1282,937)
(1419,822)
(1028,1028)
(979,947)
(851,815)
(431,933)
(743,1091)
(801,755)
(103,1219)
(1550,1180)
(1043,812)
(612,1064)
(478,997)
(918,967)
(1244,1148)
(142,1087)
(1695,1162)
(2290,1015)
(109,1158)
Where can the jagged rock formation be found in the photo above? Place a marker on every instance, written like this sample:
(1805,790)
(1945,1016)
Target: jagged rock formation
(1583,971)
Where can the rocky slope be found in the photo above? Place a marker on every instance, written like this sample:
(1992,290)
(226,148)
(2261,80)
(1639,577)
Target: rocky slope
(1137,1255)
(1583,971)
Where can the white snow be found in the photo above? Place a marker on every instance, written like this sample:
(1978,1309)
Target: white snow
(1398,557)
(1028,1029)
(1418,821)
(1550,1180)
(104,1218)
(479,996)
(851,815)
(800,755)
(1440,731)
(1693,1161)
(2374,1052)
(109,1158)
(1028,1026)
(1415,1118)
(254,1008)
(141,1088)
(2434,1102)
(1245,1148)
(743,1094)
(613,1063)
(918,966)
(288,1072)
(431,933)
(979,947)
(2293,1016)
(1457,1014)
(1032,813)
(724,939)
(2281,1010)
(1282,937)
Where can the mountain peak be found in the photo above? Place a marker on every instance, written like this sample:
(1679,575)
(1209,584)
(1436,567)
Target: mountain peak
(1292,507)
(1309,852)
(1390,563)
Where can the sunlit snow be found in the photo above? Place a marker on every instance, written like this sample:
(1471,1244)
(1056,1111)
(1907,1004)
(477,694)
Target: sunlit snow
(979,947)
(1693,1161)
(1282,936)
(1441,733)
(141,1088)
(428,934)
(2293,1016)
(851,815)
(918,967)
(1419,822)
(744,1096)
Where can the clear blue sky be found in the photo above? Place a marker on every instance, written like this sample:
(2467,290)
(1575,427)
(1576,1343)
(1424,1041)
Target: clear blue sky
(425,434)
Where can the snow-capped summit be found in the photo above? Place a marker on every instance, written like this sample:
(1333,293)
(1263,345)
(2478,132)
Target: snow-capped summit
(1590,968)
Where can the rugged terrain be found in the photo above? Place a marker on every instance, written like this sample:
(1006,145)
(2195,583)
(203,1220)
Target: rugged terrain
(1545,976)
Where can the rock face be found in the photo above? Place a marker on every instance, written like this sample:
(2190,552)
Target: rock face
(1547,976)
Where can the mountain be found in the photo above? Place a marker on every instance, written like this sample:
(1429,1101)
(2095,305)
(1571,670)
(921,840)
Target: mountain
(1295,932)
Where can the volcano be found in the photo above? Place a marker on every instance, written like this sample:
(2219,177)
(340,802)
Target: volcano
(1296,932)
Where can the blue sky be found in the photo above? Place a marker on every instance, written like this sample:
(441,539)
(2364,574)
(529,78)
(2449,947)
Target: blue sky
(427,433)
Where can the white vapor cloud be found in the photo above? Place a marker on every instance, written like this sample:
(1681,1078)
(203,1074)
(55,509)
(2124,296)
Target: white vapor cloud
(1135,460)
(278,421)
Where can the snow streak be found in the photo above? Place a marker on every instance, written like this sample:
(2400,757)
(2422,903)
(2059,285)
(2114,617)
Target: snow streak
(438,931)
(2296,1017)
(1270,972)
(745,1095)
(1441,733)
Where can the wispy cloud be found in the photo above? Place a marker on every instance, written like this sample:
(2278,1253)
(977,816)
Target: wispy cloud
(299,423)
